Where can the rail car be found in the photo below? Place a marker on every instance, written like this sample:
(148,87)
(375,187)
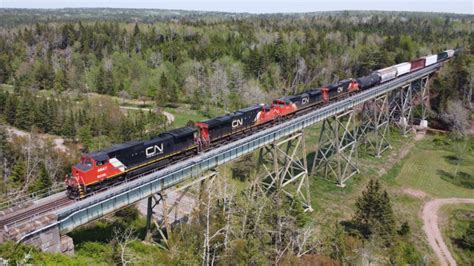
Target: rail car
(104,168)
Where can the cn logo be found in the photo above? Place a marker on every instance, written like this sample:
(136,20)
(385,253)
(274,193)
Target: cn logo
(154,150)
(304,100)
(237,122)
(340,89)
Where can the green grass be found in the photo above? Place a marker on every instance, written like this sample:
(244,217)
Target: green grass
(183,114)
(427,166)
(455,223)
(7,87)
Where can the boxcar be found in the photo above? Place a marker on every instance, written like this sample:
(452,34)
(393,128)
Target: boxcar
(368,81)
(431,59)
(402,68)
(387,73)
(417,64)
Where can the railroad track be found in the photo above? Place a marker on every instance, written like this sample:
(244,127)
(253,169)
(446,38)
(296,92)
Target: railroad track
(34,210)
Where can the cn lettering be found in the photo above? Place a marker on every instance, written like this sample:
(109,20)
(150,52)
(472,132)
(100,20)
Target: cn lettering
(237,122)
(154,150)
(304,100)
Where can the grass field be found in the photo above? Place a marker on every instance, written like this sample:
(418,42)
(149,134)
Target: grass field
(455,223)
(182,115)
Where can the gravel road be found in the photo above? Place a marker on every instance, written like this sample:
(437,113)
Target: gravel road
(430,220)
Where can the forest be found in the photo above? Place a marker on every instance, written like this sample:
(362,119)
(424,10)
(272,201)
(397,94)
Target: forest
(51,60)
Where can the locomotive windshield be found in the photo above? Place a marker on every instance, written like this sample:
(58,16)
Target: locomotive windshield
(85,164)
(87,161)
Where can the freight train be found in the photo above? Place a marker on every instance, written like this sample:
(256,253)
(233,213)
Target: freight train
(101,169)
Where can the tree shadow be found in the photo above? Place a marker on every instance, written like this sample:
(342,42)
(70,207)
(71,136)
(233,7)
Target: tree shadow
(453,159)
(461,179)
(355,229)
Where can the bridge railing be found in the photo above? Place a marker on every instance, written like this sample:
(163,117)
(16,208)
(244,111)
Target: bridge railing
(55,188)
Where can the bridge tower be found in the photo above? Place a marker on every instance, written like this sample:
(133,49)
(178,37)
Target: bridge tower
(422,86)
(337,148)
(375,125)
(170,212)
(285,169)
(401,105)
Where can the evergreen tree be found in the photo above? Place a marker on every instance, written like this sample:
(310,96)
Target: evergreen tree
(43,180)
(3,101)
(10,108)
(44,75)
(374,214)
(99,81)
(5,67)
(44,118)
(163,96)
(85,137)
(23,118)
(60,81)
(17,175)
(69,127)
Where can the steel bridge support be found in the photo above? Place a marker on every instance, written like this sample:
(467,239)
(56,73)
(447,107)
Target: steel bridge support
(401,108)
(424,95)
(375,125)
(284,163)
(170,211)
(337,148)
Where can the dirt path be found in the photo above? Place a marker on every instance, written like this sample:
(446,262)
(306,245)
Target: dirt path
(430,220)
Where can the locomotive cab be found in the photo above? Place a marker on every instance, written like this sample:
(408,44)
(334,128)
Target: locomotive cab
(92,169)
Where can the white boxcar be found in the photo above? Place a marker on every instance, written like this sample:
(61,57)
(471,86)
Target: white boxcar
(387,73)
(431,59)
(450,53)
(402,68)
